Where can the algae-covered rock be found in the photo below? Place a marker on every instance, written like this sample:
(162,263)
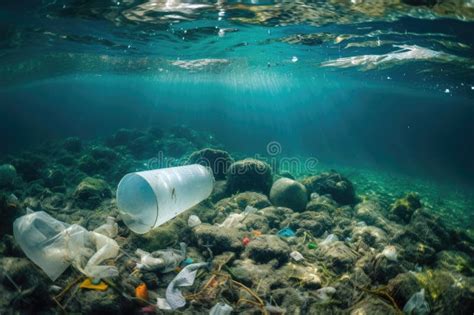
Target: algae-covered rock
(339,255)
(249,175)
(289,193)
(321,204)
(275,216)
(334,184)
(415,249)
(219,239)
(91,192)
(455,261)
(162,237)
(447,292)
(33,283)
(405,207)
(7,175)
(217,160)
(98,302)
(314,222)
(370,235)
(267,247)
(430,230)
(402,287)
(219,191)
(374,306)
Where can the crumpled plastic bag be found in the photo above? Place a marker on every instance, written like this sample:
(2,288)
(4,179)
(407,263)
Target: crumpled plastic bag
(164,260)
(54,245)
(185,278)
(109,229)
(221,309)
(417,304)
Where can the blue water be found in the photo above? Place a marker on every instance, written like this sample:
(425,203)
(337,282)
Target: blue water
(324,79)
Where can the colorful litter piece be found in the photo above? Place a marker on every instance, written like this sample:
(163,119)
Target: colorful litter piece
(87,284)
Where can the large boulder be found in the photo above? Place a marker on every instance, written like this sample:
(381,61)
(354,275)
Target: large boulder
(289,193)
(91,192)
(334,184)
(217,160)
(249,175)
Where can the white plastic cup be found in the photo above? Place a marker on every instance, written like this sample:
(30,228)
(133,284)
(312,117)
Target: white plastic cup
(148,199)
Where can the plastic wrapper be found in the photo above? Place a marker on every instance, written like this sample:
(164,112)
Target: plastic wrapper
(54,246)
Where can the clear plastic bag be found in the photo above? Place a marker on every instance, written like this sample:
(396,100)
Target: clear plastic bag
(54,245)
(417,304)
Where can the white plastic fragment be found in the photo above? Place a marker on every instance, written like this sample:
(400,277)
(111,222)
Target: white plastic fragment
(147,261)
(164,260)
(109,229)
(193,221)
(325,293)
(162,304)
(221,309)
(390,252)
(417,304)
(184,278)
(331,238)
(314,195)
(249,210)
(233,220)
(296,255)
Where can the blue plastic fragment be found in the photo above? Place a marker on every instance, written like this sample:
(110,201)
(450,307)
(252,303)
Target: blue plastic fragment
(286,232)
(187,261)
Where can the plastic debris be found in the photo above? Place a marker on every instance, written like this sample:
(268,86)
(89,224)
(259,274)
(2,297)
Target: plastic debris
(256,233)
(54,246)
(185,278)
(141,292)
(274,309)
(312,245)
(187,261)
(88,284)
(249,210)
(331,238)
(325,293)
(417,304)
(193,221)
(390,252)
(245,241)
(286,232)
(221,309)
(163,260)
(176,188)
(109,229)
(162,304)
(296,255)
(314,195)
(233,220)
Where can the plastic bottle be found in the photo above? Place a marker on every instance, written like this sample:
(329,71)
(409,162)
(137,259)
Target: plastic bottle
(148,199)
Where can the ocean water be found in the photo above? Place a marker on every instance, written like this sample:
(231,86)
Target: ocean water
(380,91)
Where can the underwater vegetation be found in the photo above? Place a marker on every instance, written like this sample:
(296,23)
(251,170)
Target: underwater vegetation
(269,242)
